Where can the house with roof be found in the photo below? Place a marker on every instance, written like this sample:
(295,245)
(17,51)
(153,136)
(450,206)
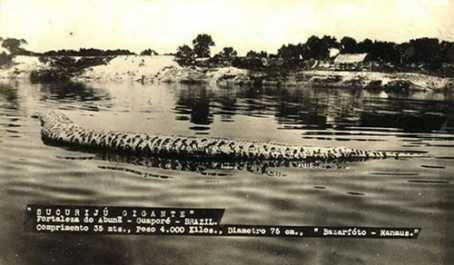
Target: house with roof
(351,61)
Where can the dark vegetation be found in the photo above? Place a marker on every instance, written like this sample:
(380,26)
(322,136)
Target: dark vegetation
(62,68)
(62,63)
(186,55)
(429,54)
(5,59)
(14,47)
(149,52)
(88,52)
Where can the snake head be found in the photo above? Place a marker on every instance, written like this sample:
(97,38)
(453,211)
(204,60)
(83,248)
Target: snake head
(51,118)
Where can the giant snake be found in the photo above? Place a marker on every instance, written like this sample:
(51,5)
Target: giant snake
(57,128)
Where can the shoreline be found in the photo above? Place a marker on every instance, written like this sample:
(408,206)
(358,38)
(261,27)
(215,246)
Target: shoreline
(151,69)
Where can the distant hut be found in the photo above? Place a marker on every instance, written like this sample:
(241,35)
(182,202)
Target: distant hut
(351,61)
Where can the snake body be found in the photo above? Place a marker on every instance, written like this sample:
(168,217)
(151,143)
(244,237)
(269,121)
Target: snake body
(57,128)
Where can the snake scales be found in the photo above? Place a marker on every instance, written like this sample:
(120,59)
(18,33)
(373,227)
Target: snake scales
(57,128)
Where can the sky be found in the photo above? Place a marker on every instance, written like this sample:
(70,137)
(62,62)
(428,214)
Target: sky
(246,25)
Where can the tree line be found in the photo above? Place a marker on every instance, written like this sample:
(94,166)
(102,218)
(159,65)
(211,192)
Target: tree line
(87,52)
(14,46)
(430,52)
(96,52)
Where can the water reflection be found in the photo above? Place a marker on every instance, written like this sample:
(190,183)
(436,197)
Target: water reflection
(74,91)
(195,102)
(204,166)
(8,96)
(213,167)
(317,108)
(414,122)
(292,107)
(377,192)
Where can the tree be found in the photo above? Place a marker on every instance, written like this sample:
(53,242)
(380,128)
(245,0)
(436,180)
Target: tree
(428,50)
(13,45)
(348,45)
(386,52)
(366,45)
(149,52)
(290,53)
(185,55)
(330,41)
(227,53)
(326,43)
(253,60)
(312,47)
(447,49)
(254,54)
(202,44)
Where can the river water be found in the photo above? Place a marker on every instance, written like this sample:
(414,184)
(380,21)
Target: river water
(407,192)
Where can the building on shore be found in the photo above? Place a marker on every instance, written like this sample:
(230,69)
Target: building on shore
(351,62)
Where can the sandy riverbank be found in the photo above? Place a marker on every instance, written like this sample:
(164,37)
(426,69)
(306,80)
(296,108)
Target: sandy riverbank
(416,81)
(148,69)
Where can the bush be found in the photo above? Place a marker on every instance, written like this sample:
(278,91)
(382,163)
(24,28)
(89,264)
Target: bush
(62,68)
(247,63)
(5,59)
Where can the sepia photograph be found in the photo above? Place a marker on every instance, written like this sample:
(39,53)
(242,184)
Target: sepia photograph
(226,132)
